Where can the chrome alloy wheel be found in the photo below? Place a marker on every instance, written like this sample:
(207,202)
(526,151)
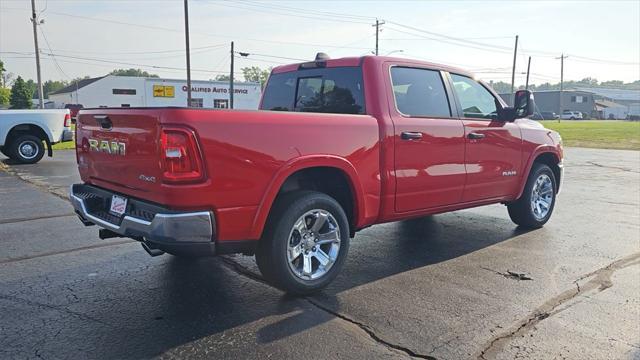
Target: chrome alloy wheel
(314,244)
(542,196)
(28,149)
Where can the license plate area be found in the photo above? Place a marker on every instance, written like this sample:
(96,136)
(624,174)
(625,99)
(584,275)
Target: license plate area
(118,205)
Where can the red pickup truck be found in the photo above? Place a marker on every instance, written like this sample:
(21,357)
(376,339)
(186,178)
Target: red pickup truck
(338,145)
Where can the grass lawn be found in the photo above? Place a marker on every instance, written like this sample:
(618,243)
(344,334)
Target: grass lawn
(603,134)
(67,145)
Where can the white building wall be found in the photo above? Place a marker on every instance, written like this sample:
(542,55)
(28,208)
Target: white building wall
(118,91)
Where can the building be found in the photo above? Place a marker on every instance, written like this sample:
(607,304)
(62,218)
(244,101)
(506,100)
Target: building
(573,100)
(128,91)
(594,102)
(616,103)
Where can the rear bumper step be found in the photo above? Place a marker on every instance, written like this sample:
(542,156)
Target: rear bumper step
(189,233)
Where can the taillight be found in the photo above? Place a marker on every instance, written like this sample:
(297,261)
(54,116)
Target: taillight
(67,120)
(181,158)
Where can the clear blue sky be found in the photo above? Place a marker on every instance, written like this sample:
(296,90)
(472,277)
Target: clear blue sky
(601,38)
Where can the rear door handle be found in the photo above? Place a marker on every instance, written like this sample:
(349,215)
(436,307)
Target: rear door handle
(410,135)
(475,135)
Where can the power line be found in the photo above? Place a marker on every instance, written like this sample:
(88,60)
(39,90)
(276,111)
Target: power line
(493,50)
(55,61)
(261,8)
(318,12)
(197,32)
(131,64)
(217,46)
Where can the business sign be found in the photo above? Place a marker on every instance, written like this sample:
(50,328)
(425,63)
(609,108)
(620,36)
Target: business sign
(208,89)
(163,91)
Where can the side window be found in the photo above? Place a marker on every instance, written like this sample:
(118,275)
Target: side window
(419,92)
(476,101)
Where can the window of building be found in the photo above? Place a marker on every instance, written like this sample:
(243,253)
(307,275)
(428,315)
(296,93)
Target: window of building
(197,102)
(124,91)
(476,101)
(326,90)
(125,105)
(578,99)
(419,92)
(220,103)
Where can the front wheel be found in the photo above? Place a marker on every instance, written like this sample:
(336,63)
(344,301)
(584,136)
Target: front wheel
(535,206)
(26,149)
(305,243)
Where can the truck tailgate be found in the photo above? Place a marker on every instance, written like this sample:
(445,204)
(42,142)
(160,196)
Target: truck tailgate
(120,147)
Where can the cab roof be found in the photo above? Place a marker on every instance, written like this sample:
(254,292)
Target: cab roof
(360,60)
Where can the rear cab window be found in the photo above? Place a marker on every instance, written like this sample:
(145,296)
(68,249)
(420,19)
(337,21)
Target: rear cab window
(337,90)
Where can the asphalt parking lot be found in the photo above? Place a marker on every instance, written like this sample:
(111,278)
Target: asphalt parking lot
(442,287)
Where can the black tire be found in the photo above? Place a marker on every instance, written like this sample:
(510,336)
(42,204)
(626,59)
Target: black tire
(4,151)
(272,251)
(18,149)
(522,211)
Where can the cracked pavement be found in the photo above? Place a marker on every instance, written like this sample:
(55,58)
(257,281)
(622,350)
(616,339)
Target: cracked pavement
(442,287)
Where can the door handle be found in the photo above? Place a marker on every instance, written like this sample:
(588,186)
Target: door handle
(103,121)
(475,135)
(410,135)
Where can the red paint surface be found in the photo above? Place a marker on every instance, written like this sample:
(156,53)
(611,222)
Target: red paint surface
(249,154)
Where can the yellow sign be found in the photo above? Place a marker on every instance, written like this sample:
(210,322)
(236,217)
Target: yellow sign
(163,91)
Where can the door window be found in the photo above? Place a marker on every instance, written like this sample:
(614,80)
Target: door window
(419,92)
(475,100)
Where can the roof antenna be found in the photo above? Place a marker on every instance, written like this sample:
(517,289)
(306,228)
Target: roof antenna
(322,56)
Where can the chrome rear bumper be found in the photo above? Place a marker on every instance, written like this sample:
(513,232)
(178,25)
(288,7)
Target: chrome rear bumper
(165,229)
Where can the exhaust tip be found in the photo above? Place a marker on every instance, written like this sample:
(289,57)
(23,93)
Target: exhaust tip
(150,250)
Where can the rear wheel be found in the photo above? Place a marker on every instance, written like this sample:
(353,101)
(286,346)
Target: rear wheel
(535,206)
(27,149)
(4,151)
(305,243)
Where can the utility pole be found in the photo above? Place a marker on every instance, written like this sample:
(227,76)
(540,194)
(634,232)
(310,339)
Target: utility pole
(35,22)
(186,38)
(377,26)
(526,87)
(562,57)
(231,79)
(513,70)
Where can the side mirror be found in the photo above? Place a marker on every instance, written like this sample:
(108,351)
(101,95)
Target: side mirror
(523,103)
(523,107)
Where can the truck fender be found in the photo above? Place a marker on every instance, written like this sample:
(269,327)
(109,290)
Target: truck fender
(305,162)
(534,155)
(4,135)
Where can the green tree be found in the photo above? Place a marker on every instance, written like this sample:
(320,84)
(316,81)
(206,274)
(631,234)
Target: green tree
(132,72)
(221,78)
(5,97)
(255,74)
(21,95)
(500,87)
(33,87)
(2,70)
(50,86)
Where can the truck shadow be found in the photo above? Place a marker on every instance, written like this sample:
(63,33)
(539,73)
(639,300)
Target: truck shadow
(400,247)
(212,304)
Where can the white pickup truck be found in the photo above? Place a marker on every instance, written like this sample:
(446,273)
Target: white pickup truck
(24,133)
